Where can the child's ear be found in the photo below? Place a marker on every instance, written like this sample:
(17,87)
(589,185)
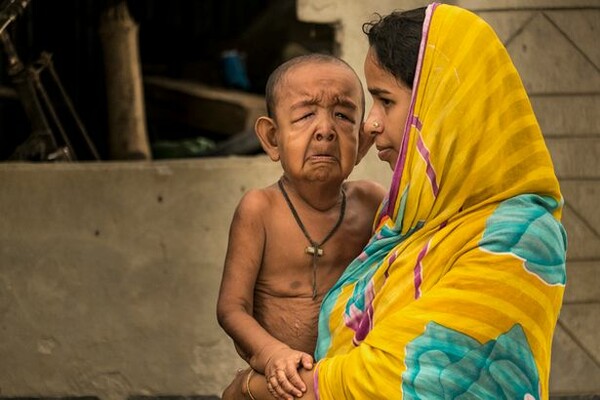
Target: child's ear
(365,141)
(266,130)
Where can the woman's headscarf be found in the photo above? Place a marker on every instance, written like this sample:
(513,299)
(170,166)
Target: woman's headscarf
(459,290)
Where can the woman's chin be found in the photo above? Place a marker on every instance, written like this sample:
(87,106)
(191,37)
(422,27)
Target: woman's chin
(388,156)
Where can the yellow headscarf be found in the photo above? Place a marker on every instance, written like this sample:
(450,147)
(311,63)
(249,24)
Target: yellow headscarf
(459,290)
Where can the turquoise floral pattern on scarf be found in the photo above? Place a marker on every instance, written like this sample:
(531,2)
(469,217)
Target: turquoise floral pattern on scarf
(358,312)
(445,364)
(524,226)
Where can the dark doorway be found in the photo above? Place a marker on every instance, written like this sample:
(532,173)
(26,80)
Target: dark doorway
(181,39)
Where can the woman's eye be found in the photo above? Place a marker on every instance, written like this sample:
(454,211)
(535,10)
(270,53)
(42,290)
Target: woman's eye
(387,102)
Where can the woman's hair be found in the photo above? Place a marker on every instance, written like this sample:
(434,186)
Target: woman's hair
(395,39)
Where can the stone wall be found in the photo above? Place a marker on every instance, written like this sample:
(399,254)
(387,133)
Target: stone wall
(109,274)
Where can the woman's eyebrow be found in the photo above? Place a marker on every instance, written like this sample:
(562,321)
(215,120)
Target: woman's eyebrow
(378,91)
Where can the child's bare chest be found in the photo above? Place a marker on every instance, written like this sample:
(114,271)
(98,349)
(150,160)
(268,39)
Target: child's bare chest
(294,266)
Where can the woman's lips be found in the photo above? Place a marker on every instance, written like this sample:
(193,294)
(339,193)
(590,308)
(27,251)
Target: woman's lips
(384,153)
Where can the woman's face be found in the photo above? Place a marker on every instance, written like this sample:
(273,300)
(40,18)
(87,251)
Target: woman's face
(387,117)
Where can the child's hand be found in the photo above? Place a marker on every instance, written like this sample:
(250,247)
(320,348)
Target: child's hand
(281,372)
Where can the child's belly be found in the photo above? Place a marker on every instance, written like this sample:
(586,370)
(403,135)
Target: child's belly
(293,320)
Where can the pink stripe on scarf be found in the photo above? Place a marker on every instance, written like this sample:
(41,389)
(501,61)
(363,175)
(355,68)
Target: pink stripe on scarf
(418,271)
(399,168)
(424,151)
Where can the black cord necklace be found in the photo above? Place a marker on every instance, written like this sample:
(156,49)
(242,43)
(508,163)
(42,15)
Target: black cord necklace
(315,249)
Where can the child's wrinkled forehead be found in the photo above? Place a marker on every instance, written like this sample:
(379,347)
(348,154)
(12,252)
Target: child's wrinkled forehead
(324,84)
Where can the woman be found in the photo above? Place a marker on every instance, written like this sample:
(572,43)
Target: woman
(458,291)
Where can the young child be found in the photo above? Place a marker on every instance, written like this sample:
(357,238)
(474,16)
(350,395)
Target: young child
(290,242)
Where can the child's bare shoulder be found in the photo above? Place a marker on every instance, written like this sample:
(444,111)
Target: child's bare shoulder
(365,190)
(256,201)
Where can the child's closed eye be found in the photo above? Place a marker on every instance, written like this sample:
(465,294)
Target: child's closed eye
(304,117)
(344,116)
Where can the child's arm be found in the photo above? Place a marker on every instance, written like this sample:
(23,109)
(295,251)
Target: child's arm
(262,351)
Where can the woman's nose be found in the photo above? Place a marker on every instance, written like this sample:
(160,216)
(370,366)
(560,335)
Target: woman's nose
(372,125)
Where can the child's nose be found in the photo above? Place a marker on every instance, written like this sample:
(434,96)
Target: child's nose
(325,130)
(329,136)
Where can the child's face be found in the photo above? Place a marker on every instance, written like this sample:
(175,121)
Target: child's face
(318,117)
